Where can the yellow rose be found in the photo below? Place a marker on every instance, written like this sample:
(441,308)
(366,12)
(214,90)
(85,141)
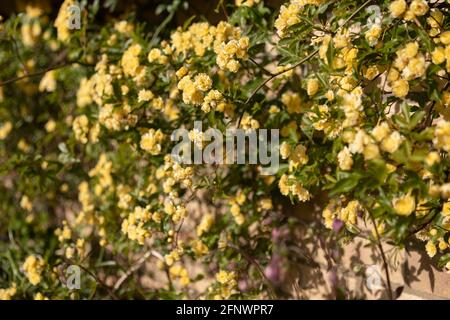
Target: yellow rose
(446,209)
(397,8)
(419,7)
(438,55)
(400,88)
(445,37)
(404,205)
(371,151)
(431,249)
(312,87)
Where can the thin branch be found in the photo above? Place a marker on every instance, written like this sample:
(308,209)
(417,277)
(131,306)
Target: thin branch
(59,62)
(19,57)
(383,256)
(136,266)
(424,225)
(164,23)
(36,74)
(273,76)
(354,14)
(261,67)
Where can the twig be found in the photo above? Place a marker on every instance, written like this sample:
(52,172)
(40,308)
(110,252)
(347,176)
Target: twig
(273,76)
(36,74)
(354,14)
(178,232)
(19,57)
(165,22)
(424,225)
(383,256)
(136,266)
(261,67)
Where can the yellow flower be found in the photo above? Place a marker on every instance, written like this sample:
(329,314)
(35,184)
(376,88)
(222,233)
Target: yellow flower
(283,185)
(432,158)
(442,135)
(400,88)
(430,247)
(371,72)
(404,205)
(40,296)
(349,213)
(130,60)
(397,8)
(205,224)
(419,7)
(445,37)
(392,142)
(5,129)
(25,203)
(203,82)
(199,248)
(380,131)
(435,19)
(438,55)
(123,27)
(48,82)
(225,277)
(287,17)
(371,151)
(151,140)
(298,155)
(312,87)
(155,55)
(181,72)
(33,267)
(62,21)
(345,159)
(442,244)
(285,150)
(373,34)
(292,101)
(446,209)
(80,128)
(329,95)
(8,293)
(145,95)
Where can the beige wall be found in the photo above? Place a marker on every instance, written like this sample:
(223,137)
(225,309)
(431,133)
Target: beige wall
(410,268)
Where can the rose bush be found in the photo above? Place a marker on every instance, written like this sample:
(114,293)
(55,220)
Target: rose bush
(358,89)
